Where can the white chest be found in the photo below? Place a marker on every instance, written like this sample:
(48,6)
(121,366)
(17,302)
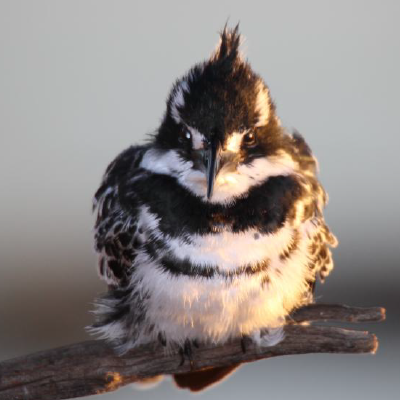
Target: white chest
(217,308)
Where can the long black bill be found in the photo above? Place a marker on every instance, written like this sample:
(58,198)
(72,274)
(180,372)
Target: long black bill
(212,164)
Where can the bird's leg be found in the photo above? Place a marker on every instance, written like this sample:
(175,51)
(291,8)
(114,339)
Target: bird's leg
(243,343)
(186,351)
(271,336)
(162,339)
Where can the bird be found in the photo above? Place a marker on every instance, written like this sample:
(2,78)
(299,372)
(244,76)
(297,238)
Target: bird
(213,228)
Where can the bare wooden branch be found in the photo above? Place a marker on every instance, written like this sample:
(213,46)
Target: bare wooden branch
(338,312)
(92,367)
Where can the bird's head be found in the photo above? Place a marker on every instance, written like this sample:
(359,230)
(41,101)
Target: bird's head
(220,134)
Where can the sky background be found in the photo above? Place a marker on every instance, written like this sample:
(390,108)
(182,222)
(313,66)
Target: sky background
(82,80)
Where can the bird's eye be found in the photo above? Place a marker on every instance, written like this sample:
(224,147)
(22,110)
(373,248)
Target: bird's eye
(188,135)
(249,139)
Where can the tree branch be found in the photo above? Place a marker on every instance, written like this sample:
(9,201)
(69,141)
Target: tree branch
(92,367)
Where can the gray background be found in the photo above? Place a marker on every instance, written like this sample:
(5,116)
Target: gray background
(82,80)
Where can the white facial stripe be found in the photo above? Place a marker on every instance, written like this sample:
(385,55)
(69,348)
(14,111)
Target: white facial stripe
(234,142)
(262,104)
(178,100)
(228,185)
(197,138)
(166,163)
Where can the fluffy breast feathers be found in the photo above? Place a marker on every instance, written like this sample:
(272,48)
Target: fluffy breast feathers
(181,267)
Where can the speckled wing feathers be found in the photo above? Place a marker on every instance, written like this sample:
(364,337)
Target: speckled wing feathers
(322,239)
(117,235)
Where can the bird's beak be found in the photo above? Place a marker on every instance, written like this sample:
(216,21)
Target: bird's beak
(212,160)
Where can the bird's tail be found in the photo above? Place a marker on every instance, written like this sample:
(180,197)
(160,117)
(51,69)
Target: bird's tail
(199,380)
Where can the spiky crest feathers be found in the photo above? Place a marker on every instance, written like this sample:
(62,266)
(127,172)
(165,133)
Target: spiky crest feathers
(220,94)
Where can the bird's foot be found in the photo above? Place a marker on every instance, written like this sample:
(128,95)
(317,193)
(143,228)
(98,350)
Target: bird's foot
(244,343)
(186,352)
(162,339)
(269,337)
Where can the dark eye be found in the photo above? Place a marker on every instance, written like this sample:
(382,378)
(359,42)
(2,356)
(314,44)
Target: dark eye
(249,139)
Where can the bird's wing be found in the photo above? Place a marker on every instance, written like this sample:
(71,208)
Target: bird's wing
(116,230)
(320,253)
(322,238)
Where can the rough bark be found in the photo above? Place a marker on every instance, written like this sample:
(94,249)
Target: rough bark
(92,367)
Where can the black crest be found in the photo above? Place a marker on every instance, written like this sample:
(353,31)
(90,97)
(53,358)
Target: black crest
(216,97)
(227,54)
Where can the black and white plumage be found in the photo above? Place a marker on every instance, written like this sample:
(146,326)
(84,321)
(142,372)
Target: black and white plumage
(214,229)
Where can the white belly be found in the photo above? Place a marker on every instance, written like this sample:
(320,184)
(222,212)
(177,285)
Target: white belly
(217,308)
